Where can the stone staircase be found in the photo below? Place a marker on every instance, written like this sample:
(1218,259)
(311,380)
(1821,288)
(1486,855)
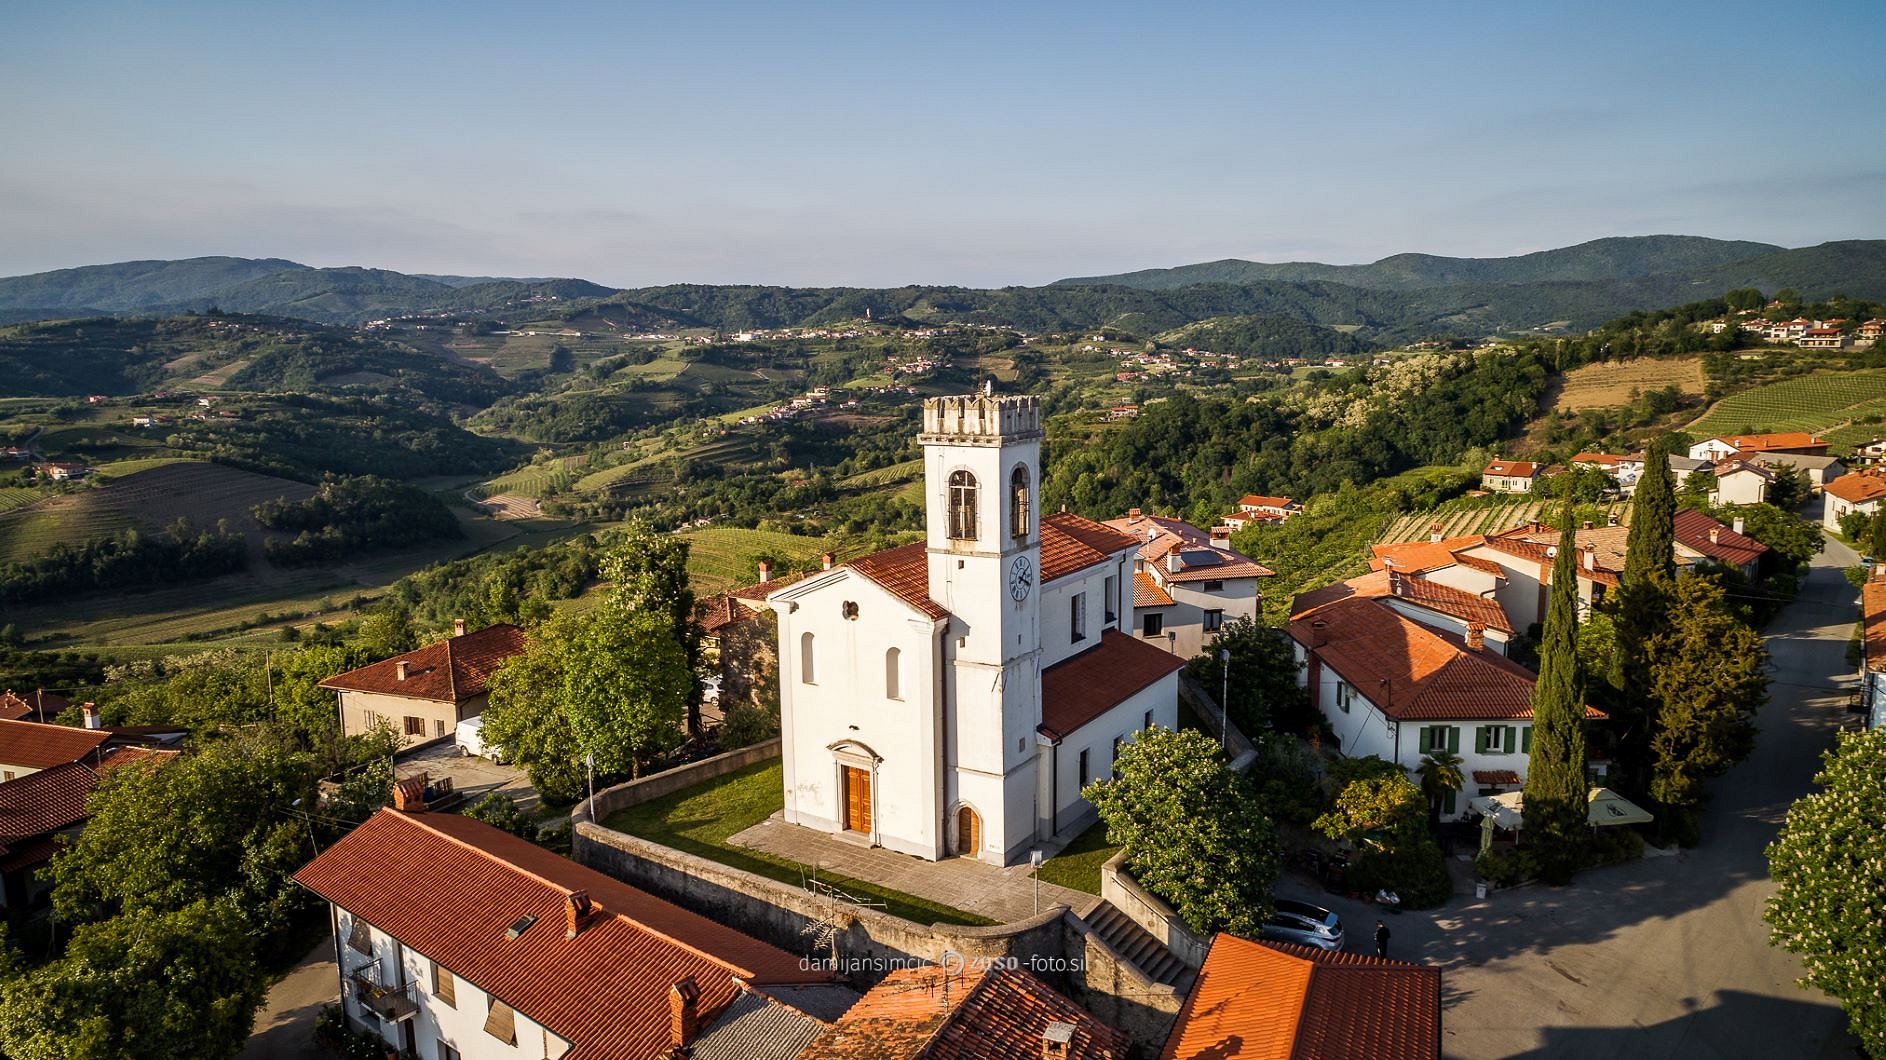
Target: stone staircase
(1131,941)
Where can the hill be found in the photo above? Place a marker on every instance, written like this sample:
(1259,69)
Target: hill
(1601,259)
(1263,336)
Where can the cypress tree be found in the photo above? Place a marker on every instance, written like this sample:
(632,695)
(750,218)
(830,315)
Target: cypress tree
(1642,598)
(1555,772)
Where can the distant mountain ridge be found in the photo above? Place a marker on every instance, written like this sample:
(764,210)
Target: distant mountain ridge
(1617,257)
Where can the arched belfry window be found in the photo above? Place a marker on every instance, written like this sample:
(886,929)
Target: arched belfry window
(1018,502)
(962,506)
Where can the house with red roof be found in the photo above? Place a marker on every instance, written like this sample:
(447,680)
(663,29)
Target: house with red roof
(36,810)
(424,694)
(1724,447)
(1510,476)
(1258,504)
(1188,583)
(26,747)
(954,695)
(1434,604)
(1394,687)
(1278,1001)
(966,1013)
(454,939)
(1858,491)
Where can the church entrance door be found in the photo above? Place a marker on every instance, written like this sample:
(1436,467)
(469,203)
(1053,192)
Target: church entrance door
(857,799)
(968,832)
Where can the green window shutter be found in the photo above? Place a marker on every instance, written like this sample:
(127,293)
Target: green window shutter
(1427,742)
(1449,805)
(1512,739)
(1453,738)
(1480,740)
(1525,740)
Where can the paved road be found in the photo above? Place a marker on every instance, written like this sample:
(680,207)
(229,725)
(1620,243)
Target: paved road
(284,1028)
(1665,957)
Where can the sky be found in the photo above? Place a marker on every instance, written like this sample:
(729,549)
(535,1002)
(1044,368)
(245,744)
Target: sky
(881,144)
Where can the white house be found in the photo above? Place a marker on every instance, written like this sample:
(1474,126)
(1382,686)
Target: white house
(1741,482)
(1186,583)
(1510,476)
(1718,449)
(1873,651)
(1257,504)
(1860,491)
(1392,687)
(953,696)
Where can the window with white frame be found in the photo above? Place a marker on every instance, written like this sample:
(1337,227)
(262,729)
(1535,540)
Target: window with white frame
(1343,694)
(1077,617)
(1214,620)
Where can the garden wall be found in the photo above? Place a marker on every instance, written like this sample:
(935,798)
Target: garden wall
(668,781)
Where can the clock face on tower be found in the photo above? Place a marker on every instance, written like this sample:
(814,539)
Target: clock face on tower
(1021,578)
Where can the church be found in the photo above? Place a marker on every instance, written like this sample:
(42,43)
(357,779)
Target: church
(951,697)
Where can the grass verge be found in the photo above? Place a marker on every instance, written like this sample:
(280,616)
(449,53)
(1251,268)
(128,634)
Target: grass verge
(1078,864)
(699,820)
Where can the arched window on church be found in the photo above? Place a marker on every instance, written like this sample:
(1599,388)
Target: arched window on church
(805,659)
(893,678)
(1018,502)
(962,506)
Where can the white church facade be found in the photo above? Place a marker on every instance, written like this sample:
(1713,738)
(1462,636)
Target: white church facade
(952,696)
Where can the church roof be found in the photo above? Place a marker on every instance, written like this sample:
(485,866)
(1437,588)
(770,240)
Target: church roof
(1078,690)
(904,572)
(1071,543)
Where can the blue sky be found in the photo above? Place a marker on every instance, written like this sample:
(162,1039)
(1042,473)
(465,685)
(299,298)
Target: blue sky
(884,144)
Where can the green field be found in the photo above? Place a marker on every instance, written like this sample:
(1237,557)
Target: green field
(721,558)
(884,476)
(122,468)
(534,481)
(1818,402)
(26,533)
(18,496)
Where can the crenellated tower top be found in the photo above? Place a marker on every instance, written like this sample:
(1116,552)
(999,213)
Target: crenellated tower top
(980,419)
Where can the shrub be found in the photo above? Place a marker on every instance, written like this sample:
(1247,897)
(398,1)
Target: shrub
(1614,846)
(1413,868)
(1505,867)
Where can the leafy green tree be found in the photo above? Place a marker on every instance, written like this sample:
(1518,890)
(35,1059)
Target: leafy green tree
(1555,771)
(523,714)
(500,811)
(1876,536)
(1372,805)
(1637,610)
(1263,685)
(152,985)
(300,701)
(1790,488)
(648,573)
(1829,867)
(388,631)
(1707,678)
(1385,816)
(1193,832)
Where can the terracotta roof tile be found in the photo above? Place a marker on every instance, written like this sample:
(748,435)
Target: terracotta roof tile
(1693,528)
(1512,468)
(44,802)
(37,705)
(1076,691)
(1419,557)
(1500,777)
(1276,1001)
(450,671)
(1859,487)
(904,572)
(1200,560)
(1873,616)
(37,745)
(761,590)
(1254,500)
(931,1013)
(1416,590)
(1147,593)
(1765,442)
(1071,543)
(1411,672)
(448,887)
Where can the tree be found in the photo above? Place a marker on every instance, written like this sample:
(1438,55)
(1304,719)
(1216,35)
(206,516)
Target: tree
(500,811)
(1193,831)
(1555,771)
(648,573)
(1382,814)
(1441,776)
(1707,679)
(1829,867)
(144,986)
(1264,689)
(1637,610)
(300,701)
(523,717)
(1790,488)
(388,631)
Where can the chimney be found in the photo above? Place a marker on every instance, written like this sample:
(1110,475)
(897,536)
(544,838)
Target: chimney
(827,559)
(1318,633)
(458,627)
(1152,533)
(575,913)
(766,571)
(1057,1041)
(1737,525)
(1132,513)
(1394,583)
(1612,520)
(684,999)
(1587,524)
(1434,534)
(1221,537)
(1591,557)
(410,794)
(92,720)
(1173,563)
(1476,636)
(399,669)
(1715,535)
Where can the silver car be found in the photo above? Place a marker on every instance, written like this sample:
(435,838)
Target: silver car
(1301,922)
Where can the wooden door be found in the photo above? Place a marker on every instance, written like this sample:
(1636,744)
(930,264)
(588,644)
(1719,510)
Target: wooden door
(968,832)
(857,799)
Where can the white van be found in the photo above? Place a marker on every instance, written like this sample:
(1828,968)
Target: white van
(470,738)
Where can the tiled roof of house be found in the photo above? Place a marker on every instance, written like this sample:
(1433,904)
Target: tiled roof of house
(1252,500)
(37,705)
(1277,1001)
(37,745)
(761,590)
(1147,593)
(1158,537)
(1419,557)
(904,572)
(1071,543)
(719,611)
(1512,468)
(1415,590)
(44,802)
(759,1026)
(1734,466)
(1859,487)
(451,671)
(1412,672)
(1076,691)
(1502,777)
(449,888)
(1693,529)
(1873,616)
(932,1013)
(1536,542)
(1765,442)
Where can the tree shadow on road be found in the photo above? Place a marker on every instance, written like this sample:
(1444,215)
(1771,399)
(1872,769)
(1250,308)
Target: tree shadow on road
(1720,1029)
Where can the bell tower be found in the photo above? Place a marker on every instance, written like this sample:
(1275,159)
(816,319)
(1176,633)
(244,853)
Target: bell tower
(982,478)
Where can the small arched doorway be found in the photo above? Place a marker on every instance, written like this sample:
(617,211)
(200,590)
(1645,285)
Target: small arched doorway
(968,832)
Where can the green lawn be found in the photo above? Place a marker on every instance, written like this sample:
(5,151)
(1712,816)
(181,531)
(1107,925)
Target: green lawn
(1078,864)
(700,819)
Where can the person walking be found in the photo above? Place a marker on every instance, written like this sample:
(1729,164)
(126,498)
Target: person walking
(1381,940)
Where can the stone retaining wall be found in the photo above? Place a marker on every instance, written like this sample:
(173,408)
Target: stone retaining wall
(1151,913)
(668,781)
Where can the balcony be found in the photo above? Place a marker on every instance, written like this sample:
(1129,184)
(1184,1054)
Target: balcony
(390,1003)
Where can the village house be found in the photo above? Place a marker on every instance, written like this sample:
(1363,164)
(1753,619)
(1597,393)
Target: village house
(1722,448)
(1186,583)
(1741,482)
(1868,452)
(1436,605)
(1681,467)
(1823,339)
(1510,476)
(63,471)
(1626,469)
(1281,507)
(739,641)
(1279,1001)
(1859,491)
(40,809)
(424,694)
(1818,469)
(1868,333)
(37,705)
(934,1013)
(1873,649)
(454,940)
(954,695)
(1393,687)
(26,747)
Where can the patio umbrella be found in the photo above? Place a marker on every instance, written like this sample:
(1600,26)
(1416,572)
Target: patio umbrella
(1609,808)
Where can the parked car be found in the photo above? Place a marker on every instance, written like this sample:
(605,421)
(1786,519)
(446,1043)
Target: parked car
(470,737)
(1301,922)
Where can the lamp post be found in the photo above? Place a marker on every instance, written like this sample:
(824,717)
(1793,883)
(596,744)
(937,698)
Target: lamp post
(1224,698)
(1034,869)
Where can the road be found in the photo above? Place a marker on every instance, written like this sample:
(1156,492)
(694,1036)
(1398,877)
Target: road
(1667,956)
(284,1028)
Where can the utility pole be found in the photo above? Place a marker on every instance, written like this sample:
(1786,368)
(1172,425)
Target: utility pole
(1224,699)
